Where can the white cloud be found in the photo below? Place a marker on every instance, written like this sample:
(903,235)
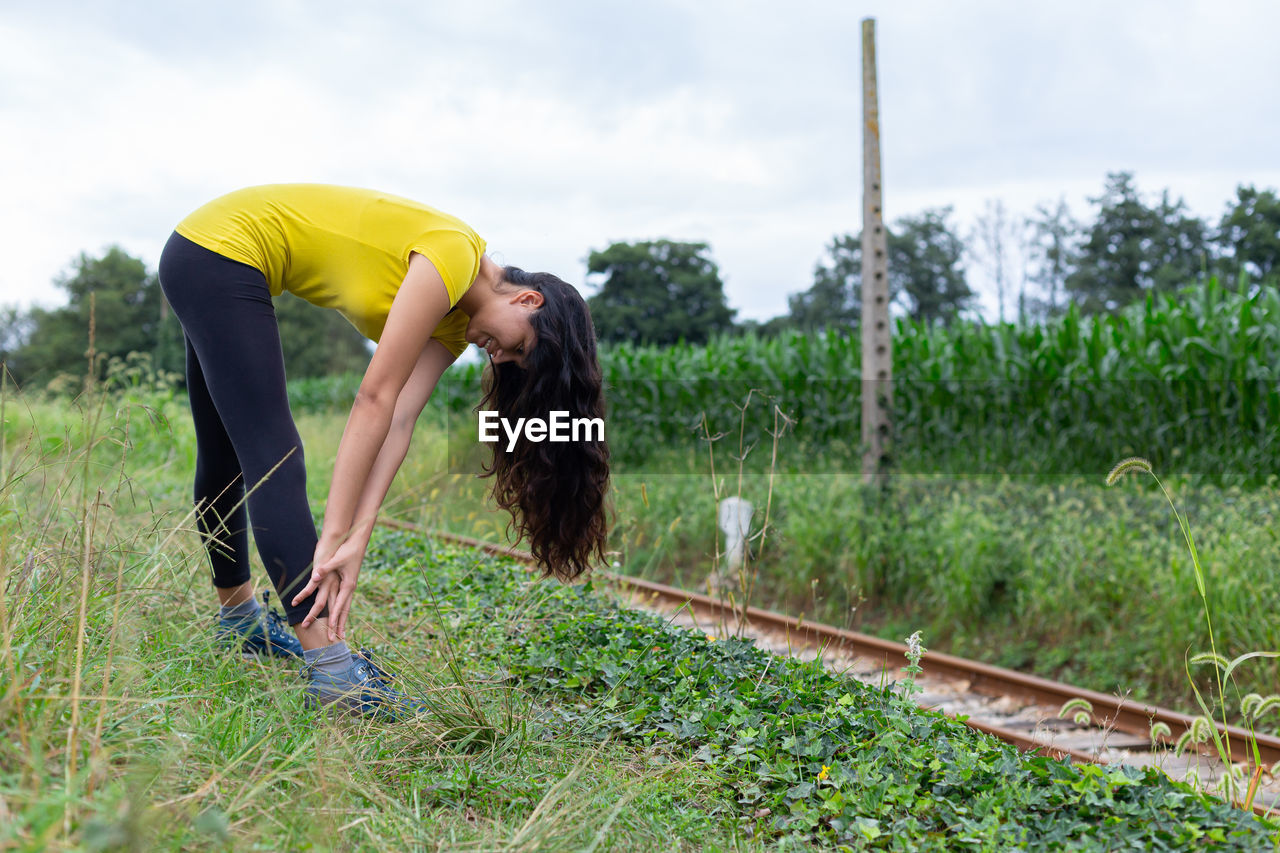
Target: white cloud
(556,128)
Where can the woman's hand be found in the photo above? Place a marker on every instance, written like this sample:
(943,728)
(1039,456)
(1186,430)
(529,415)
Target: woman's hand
(333,580)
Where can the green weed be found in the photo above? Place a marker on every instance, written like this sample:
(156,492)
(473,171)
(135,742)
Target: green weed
(122,726)
(1252,706)
(807,757)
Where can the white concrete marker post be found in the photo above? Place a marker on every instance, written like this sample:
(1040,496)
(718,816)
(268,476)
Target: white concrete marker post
(877,338)
(735,521)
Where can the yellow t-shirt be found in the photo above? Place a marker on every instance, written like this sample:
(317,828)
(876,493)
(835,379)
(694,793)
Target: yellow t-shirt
(342,248)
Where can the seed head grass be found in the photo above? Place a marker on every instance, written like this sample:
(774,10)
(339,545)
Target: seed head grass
(1254,706)
(1205,729)
(124,726)
(1079,710)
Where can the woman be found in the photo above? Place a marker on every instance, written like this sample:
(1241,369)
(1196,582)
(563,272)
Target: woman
(416,281)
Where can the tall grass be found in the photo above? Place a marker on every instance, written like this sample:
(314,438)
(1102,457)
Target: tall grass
(1057,577)
(122,726)
(1253,706)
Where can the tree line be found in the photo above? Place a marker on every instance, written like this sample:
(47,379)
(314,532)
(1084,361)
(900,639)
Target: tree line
(661,292)
(664,291)
(120,300)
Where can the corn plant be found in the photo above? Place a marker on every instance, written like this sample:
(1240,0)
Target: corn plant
(1196,369)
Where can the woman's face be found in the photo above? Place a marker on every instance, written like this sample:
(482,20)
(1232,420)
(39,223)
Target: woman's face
(502,328)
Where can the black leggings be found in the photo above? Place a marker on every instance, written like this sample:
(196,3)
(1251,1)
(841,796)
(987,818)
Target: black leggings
(244,430)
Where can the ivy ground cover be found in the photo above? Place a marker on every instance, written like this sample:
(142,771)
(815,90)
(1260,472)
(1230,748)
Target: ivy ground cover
(810,758)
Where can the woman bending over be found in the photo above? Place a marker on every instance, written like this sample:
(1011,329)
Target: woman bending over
(416,281)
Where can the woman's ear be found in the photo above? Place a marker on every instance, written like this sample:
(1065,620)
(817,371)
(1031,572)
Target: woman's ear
(528,298)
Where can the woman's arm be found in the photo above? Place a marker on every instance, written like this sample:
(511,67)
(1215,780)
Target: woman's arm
(349,555)
(419,306)
(433,362)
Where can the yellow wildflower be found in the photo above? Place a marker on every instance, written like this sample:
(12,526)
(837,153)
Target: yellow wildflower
(823,774)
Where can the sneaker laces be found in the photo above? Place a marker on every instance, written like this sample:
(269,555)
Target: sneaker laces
(365,656)
(381,677)
(276,626)
(272,621)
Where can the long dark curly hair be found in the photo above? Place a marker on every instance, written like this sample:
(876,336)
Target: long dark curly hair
(555,491)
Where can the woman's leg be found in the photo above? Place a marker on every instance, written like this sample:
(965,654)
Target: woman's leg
(244,427)
(219,488)
(233,341)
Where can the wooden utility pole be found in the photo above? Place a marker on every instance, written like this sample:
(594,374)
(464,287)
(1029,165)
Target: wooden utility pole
(877,343)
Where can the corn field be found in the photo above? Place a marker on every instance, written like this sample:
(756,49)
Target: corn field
(1190,380)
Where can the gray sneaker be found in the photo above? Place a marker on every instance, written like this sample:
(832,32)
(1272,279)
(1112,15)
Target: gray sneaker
(362,689)
(267,634)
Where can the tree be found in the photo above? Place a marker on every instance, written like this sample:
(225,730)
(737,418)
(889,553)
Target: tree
(125,302)
(925,267)
(835,299)
(1053,246)
(996,239)
(1250,234)
(318,341)
(925,276)
(15,329)
(658,292)
(1131,248)
(129,314)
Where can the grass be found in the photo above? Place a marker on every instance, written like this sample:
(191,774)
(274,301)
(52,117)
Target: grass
(1057,576)
(1252,706)
(123,729)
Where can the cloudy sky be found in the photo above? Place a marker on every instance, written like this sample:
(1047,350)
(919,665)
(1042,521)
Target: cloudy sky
(558,127)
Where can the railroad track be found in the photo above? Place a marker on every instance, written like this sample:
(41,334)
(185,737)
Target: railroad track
(1018,708)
